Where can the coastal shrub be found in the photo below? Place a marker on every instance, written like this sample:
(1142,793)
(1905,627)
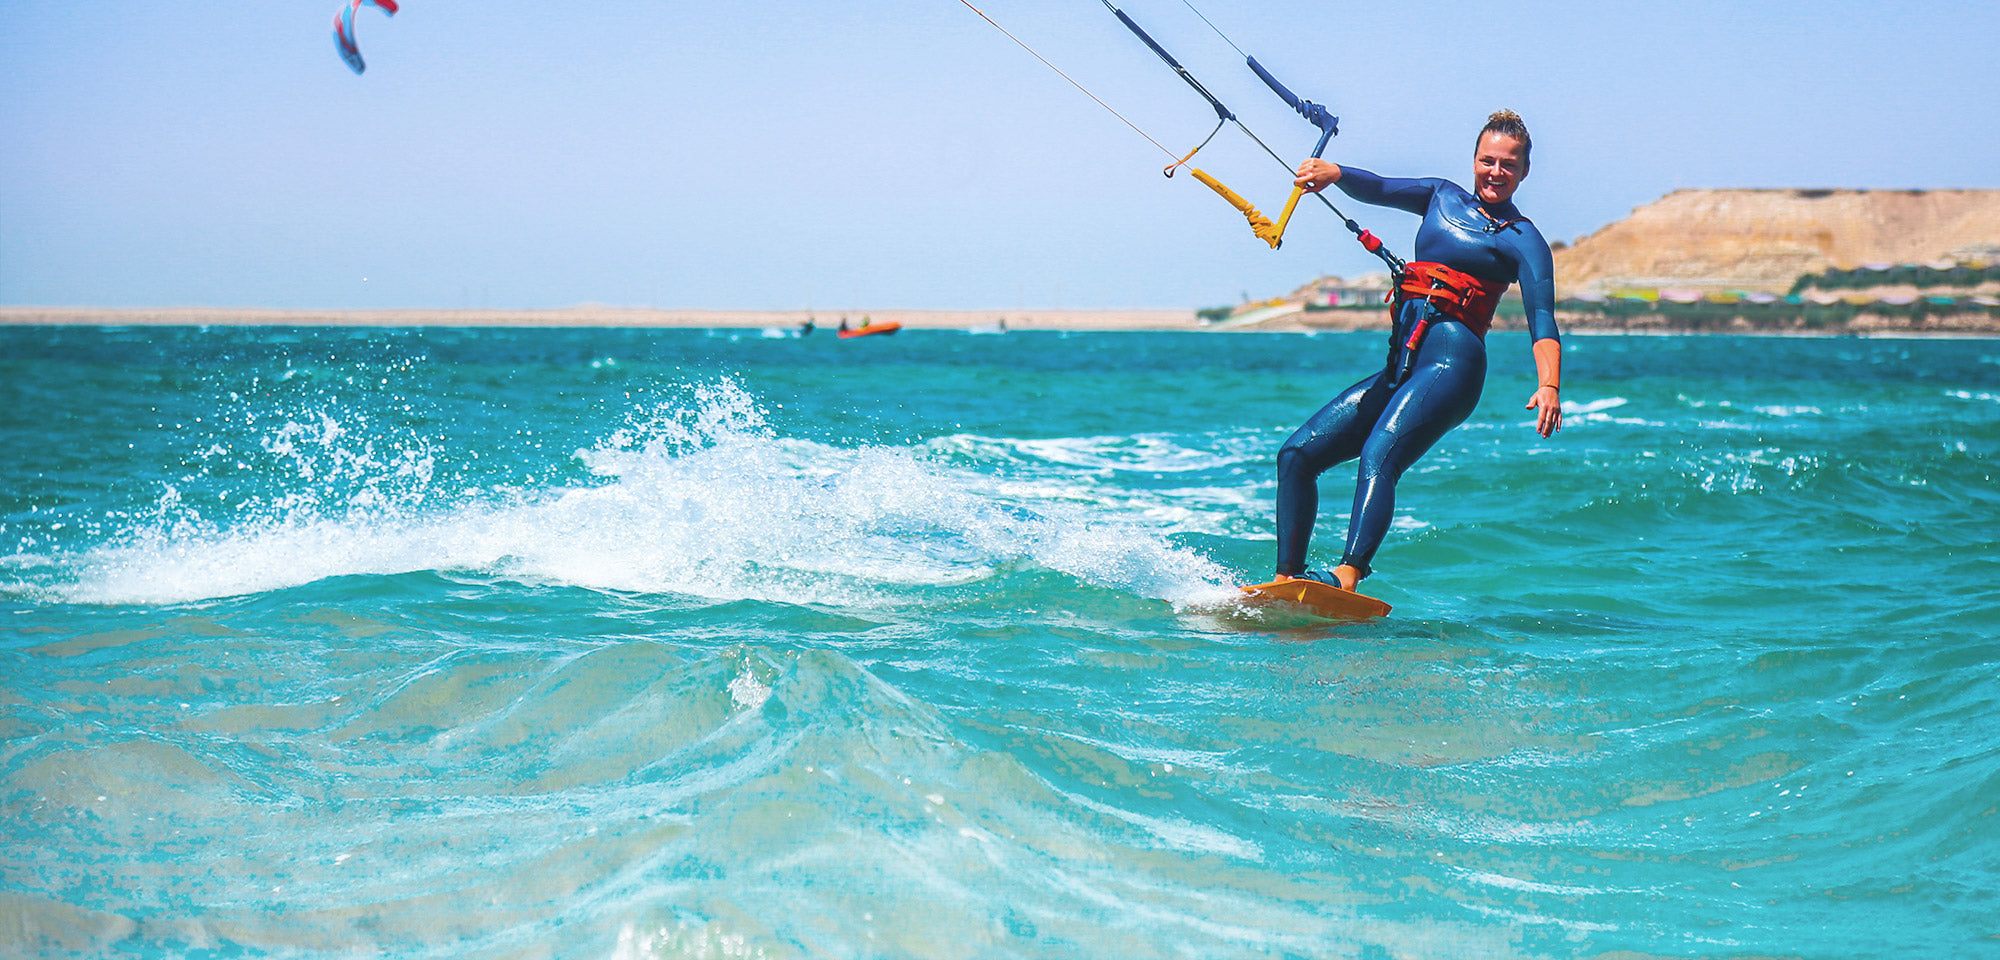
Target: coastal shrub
(1916,275)
(1778,315)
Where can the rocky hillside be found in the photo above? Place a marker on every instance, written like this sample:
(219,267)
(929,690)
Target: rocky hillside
(1763,240)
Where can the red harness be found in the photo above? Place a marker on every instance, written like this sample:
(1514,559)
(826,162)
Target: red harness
(1455,293)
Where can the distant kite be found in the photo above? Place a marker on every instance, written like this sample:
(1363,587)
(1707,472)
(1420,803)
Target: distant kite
(343,30)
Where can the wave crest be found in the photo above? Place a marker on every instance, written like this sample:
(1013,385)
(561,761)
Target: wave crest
(697,495)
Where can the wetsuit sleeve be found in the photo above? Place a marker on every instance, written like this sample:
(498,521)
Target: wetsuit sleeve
(1538,282)
(1410,196)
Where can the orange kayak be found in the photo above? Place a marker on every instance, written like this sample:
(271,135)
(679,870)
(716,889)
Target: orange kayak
(870,330)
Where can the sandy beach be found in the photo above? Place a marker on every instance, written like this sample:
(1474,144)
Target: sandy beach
(603,316)
(1127,320)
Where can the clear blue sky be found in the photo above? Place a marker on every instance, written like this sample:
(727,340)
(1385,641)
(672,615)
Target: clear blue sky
(900,153)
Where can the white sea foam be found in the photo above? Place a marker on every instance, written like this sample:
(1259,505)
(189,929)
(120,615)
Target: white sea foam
(698,497)
(1505,882)
(1176,833)
(1578,412)
(1137,453)
(747,691)
(1579,408)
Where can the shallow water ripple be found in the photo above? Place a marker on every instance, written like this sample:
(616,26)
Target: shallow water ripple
(668,644)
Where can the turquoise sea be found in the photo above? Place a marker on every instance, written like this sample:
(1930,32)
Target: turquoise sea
(668,643)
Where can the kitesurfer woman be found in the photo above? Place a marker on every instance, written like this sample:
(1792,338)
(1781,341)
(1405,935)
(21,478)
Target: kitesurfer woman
(1470,247)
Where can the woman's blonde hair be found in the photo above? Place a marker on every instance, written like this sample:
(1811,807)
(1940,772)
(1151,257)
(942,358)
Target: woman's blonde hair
(1507,123)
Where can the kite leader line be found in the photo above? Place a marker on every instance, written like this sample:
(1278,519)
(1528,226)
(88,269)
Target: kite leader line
(1315,114)
(1072,82)
(1329,127)
(1259,223)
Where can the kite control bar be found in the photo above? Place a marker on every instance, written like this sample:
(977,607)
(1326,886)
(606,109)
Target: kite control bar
(1259,224)
(1329,126)
(1315,114)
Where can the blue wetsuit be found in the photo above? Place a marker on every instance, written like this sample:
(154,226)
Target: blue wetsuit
(1389,425)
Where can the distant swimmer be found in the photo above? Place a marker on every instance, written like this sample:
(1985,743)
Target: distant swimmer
(1470,248)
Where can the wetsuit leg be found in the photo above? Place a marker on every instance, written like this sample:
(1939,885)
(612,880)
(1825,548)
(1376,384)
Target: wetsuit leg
(1442,391)
(1333,435)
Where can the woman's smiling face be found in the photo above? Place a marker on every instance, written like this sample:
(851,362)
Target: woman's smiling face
(1499,164)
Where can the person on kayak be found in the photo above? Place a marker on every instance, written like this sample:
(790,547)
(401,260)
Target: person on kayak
(1470,247)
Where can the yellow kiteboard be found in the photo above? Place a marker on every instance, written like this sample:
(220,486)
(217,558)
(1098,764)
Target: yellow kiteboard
(1321,598)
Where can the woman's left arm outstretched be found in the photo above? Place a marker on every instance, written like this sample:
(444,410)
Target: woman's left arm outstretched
(1538,297)
(1547,398)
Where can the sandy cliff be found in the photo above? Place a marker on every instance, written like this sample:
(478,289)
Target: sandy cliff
(1762,240)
